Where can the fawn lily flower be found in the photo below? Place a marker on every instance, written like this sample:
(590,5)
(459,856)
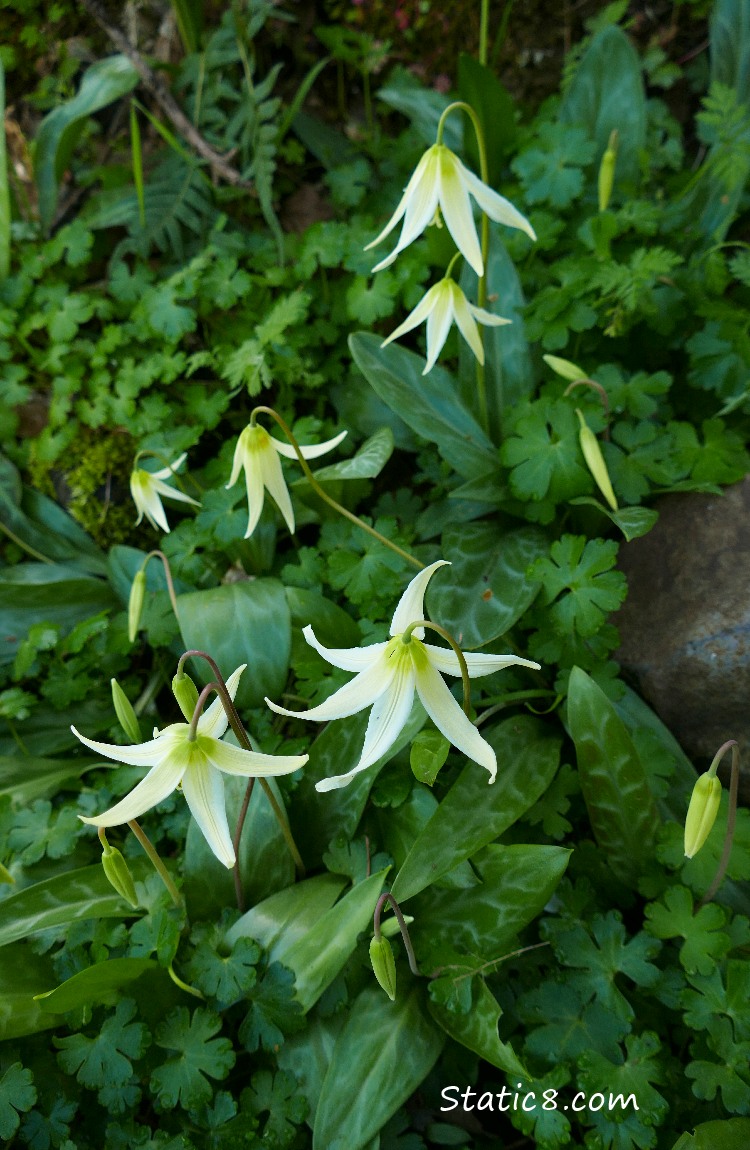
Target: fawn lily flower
(443,304)
(198,766)
(441,182)
(258,453)
(147,487)
(388,674)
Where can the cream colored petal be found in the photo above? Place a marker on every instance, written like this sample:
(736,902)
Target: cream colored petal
(158,783)
(449,718)
(362,692)
(486,317)
(477,663)
(420,211)
(410,189)
(203,788)
(250,764)
(496,206)
(238,461)
(313,451)
(347,659)
(148,754)
(214,722)
(411,604)
(154,510)
(165,472)
(438,325)
(467,324)
(255,489)
(173,493)
(456,208)
(417,316)
(273,480)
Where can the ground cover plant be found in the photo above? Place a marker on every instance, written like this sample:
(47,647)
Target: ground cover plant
(243,492)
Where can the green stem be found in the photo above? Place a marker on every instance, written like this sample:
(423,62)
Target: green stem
(484,22)
(457,651)
(388,897)
(25,546)
(286,830)
(153,854)
(167,575)
(327,498)
(731,817)
(239,893)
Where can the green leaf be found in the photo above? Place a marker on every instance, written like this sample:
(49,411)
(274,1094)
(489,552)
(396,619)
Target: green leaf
(488,587)
(369,461)
(96,984)
(517,882)
(104,1063)
(423,106)
(46,593)
(284,918)
(104,82)
(181,1080)
(729,34)
(332,625)
(544,453)
(728,1074)
(632,521)
(631,1080)
(479,87)
(274,1011)
(24,974)
(383,1053)
(225,977)
(317,957)
(427,755)
(428,404)
(607,94)
(579,583)
(568,1026)
(17,1095)
(726,1134)
(76,894)
(615,786)
(477,1029)
(237,623)
(26,779)
(705,940)
(527,760)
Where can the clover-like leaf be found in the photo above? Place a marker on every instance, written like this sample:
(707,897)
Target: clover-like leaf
(182,1078)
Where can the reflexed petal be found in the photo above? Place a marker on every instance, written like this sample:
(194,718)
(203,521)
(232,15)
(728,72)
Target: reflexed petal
(255,489)
(438,325)
(456,206)
(203,788)
(411,604)
(165,472)
(158,783)
(148,502)
(496,206)
(251,764)
(172,492)
(313,451)
(467,324)
(214,721)
(347,659)
(362,692)
(486,317)
(449,718)
(141,755)
(411,187)
(477,664)
(273,479)
(417,316)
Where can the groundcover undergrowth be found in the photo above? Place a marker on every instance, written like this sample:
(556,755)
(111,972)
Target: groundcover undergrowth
(310,532)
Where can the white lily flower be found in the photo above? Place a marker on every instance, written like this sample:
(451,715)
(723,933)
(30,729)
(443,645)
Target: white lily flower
(198,766)
(258,453)
(147,487)
(441,181)
(443,304)
(388,674)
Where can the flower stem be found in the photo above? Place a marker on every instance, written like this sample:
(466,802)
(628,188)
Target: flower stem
(236,844)
(327,498)
(456,650)
(484,21)
(388,897)
(731,817)
(153,854)
(167,576)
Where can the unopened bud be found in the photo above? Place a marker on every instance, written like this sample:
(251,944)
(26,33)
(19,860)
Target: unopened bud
(704,807)
(383,965)
(125,713)
(607,170)
(564,368)
(116,870)
(186,694)
(135,604)
(592,453)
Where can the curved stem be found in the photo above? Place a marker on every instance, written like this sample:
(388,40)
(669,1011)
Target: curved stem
(456,650)
(731,817)
(602,395)
(200,703)
(159,867)
(327,498)
(286,830)
(167,575)
(388,897)
(25,546)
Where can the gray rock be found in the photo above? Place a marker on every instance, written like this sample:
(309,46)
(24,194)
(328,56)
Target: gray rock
(685,625)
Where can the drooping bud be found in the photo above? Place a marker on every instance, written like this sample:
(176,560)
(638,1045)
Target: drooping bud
(564,368)
(704,807)
(186,694)
(135,603)
(125,713)
(116,870)
(383,965)
(592,453)
(607,170)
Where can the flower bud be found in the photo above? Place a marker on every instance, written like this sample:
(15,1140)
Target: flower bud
(116,870)
(135,603)
(186,694)
(383,965)
(125,713)
(592,453)
(702,812)
(564,368)
(607,171)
